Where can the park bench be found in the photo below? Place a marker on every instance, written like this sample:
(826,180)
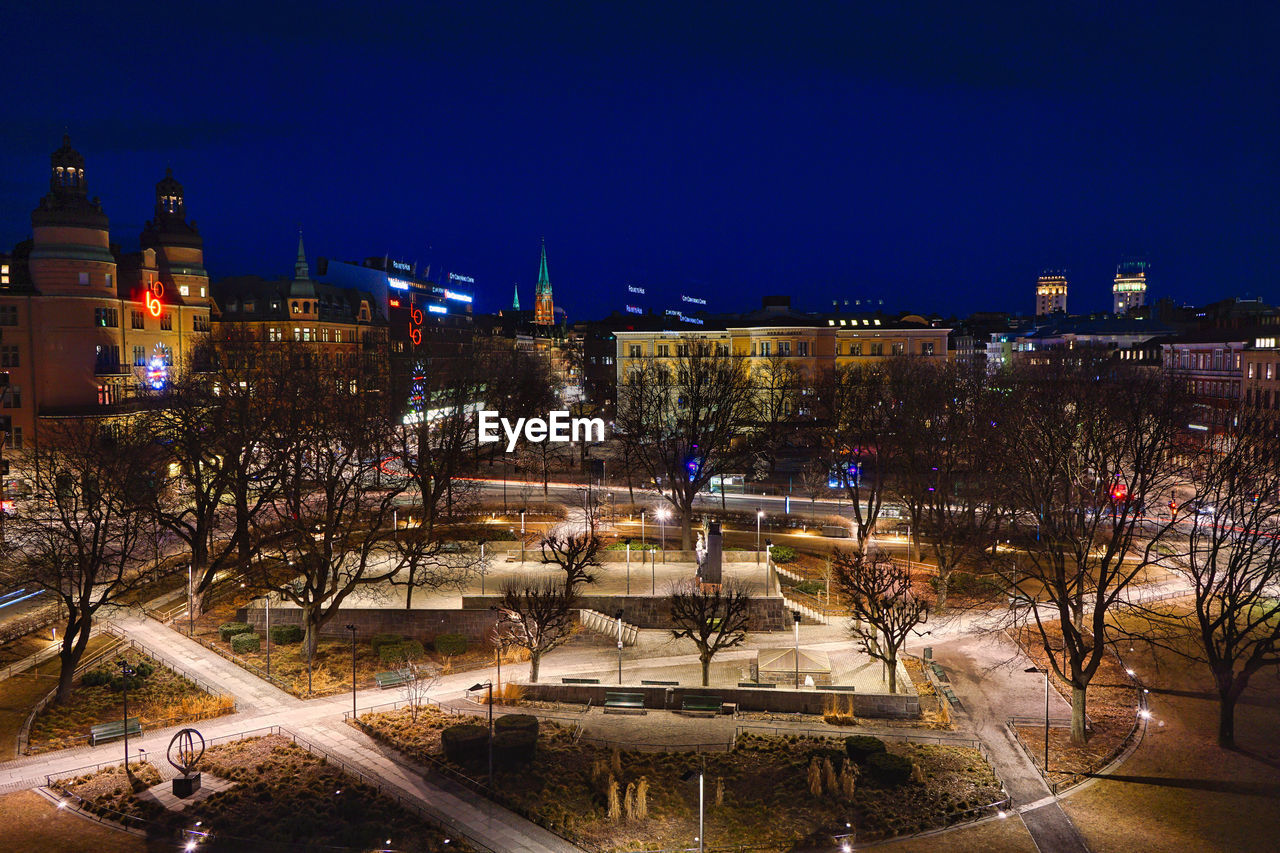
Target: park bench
(579,681)
(392,678)
(765,685)
(938,672)
(660,683)
(700,704)
(840,688)
(624,703)
(112,731)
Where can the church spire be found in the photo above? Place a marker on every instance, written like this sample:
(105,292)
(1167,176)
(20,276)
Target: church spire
(515,298)
(544,313)
(301,271)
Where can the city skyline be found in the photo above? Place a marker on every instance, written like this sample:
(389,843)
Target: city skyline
(934,161)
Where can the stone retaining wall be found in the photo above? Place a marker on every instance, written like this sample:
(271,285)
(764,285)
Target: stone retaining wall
(896,705)
(646,611)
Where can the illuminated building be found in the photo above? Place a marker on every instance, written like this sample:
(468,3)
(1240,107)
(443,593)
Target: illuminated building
(1051,293)
(1261,370)
(84,328)
(544,312)
(1129,290)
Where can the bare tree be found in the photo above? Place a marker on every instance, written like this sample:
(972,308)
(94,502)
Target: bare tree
(576,555)
(542,609)
(885,610)
(81,535)
(420,677)
(1232,560)
(1093,443)
(779,387)
(715,617)
(688,419)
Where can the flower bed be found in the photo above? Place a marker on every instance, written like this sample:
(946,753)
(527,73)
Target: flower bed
(762,793)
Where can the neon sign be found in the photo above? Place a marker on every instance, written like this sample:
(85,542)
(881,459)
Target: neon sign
(415,325)
(437,309)
(693,299)
(631,288)
(157,373)
(453,294)
(634,309)
(397,283)
(466,279)
(401,265)
(154,305)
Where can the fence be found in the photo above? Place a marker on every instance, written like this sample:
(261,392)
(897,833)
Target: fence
(32,661)
(24,735)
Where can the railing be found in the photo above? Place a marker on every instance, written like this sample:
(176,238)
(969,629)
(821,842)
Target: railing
(595,621)
(782,731)
(24,735)
(32,661)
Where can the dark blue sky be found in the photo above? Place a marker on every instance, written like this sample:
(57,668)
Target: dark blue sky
(935,156)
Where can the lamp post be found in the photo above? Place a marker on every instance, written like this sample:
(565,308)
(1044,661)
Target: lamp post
(395,522)
(128,672)
(489,686)
(482,567)
(1044,670)
(522,511)
(759,518)
(643,545)
(795,615)
(662,521)
(628,543)
(268,600)
(768,558)
(191,624)
(688,777)
(619,617)
(352,629)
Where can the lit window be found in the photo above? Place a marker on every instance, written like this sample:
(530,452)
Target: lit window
(184,290)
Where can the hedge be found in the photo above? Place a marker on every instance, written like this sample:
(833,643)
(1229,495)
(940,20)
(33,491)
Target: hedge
(95,677)
(450,644)
(783,553)
(380,640)
(410,649)
(227,630)
(285,635)
(514,747)
(889,769)
(516,723)
(465,744)
(862,747)
(242,643)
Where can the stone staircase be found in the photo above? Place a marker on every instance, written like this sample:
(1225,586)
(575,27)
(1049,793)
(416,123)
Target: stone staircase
(607,626)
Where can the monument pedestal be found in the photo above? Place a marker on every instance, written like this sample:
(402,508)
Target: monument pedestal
(185,786)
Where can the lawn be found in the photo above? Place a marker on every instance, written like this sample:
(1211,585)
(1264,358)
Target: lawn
(759,793)
(30,822)
(285,799)
(164,698)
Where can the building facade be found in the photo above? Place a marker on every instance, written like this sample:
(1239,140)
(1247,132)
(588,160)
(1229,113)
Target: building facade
(1129,289)
(1261,368)
(1051,293)
(85,329)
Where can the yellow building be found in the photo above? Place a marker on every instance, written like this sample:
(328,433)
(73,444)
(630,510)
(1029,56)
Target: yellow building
(84,329)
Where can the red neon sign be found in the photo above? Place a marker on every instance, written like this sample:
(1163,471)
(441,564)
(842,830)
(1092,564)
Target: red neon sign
(415,325)
(154,305)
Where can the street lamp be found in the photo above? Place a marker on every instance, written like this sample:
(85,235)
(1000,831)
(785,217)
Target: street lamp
(128,672)
(522,511)
(619,617)
(795,615)
(1044,670)
(489,686)
(688,777)
(352,629)
(628,544)
(768,562)
(759,518)
(662,520)
(642,542)
(191,625)
(482,567)
(268,600)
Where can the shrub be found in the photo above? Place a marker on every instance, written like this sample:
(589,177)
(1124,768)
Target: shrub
(783,553)
(227,630)
(861,747)
(514,746)
(451,644)
(243,643)
(810,587)
(394,654)
(465,744)
(95,677)
(380,640)
(285,635)
(516,723)
(889,769)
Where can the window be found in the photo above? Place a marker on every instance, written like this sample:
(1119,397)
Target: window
(297,333)
(898,349)
(682,350)
(306,334)
(273,335)
(877,349)
(135,320)
(108,318)
(855,349)
(200,322)
(202,294)
(167,353)
(784,348)
(926,348)
(802,349)
(1269,366)
(9,356)
(635,350)
(15,438)
(324,336)
(297,307)
(166,322)
(764,348)
(109,278)
(664,350)
(8,315)
(13,398)
(4,273)
(84,278)
(184,290)
(139,356)
(337,336)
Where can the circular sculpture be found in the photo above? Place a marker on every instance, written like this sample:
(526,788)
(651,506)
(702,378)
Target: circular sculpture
(186,752)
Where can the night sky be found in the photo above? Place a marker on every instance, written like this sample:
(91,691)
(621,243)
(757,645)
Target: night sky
(933,156)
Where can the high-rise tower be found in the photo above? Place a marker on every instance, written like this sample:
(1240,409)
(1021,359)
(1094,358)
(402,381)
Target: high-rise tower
(544,312)
(1051,293)
(178,246)
(1130,288)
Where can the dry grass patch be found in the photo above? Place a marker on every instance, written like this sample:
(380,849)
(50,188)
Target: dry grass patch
(30,822)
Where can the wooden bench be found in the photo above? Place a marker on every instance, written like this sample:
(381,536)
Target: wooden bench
(579,681)
(660,683)
(392,678)
(840,688)
(700,704)
(624,703)
(761,685)
(113,731)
